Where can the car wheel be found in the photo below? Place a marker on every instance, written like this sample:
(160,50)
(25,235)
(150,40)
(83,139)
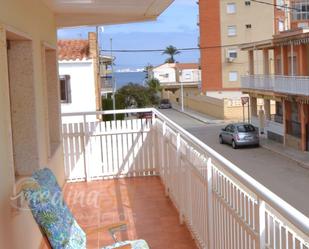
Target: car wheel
(221,140)
(234,145)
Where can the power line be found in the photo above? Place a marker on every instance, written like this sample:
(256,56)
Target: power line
(206,47)
(180,49)
(276,5)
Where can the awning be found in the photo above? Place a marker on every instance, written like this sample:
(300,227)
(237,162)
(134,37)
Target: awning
(72,13)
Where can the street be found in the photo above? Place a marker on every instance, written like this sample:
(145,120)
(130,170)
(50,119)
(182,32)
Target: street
(279,174)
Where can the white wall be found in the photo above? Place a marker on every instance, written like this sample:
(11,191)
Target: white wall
(82,87)
(160,73)
(190,75)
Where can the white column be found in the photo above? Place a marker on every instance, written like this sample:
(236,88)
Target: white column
(266,61)
(251,62)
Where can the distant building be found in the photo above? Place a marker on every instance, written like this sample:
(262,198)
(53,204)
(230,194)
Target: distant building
(80,84)
(175,74)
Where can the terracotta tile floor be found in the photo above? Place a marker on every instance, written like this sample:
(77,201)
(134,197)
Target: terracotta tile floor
(139,201)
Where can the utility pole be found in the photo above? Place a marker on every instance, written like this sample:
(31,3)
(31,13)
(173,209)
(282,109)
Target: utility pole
(181,91)
(113,79)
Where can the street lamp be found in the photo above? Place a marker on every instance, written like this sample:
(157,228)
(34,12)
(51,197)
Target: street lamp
(181,91)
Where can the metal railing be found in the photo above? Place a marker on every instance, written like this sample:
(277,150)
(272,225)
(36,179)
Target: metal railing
(223,206)
(277,83)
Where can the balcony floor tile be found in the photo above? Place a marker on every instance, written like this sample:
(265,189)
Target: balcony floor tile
(139,201)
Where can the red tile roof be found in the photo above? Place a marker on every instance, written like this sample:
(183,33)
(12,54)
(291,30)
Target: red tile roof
(183,66)
(73,49)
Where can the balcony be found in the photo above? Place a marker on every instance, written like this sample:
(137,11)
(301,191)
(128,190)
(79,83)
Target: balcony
(297,85)
(106,84)
(137,163)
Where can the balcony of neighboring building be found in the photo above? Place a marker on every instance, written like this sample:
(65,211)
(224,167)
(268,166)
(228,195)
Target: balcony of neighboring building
(106,84)
(285,65)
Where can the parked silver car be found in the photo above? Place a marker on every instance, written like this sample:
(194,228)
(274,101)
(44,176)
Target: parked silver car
(239,134)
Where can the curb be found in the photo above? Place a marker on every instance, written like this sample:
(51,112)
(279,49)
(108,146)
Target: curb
(199,119)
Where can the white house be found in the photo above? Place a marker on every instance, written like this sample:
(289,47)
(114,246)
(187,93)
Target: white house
(175,74)
(79,76)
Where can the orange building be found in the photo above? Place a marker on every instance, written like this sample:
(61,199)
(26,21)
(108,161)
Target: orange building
(225,24)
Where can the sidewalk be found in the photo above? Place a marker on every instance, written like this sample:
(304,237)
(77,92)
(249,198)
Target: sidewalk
(302,158)
(198,116)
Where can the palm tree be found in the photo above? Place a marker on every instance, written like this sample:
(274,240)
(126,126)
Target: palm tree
(171,51)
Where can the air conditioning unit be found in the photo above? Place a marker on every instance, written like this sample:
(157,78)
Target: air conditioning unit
(231,55)
(230,59)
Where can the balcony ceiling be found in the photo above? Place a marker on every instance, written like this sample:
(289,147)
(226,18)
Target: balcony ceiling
(71,13)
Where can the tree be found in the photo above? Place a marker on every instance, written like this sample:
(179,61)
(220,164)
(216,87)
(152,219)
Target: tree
(135,95)
(154,84)
(171,51)
(107,104)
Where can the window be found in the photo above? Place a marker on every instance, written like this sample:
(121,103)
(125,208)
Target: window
(231,8)
(280,4)
(248,26)
(65,89)
(247,3)
(281,26)
(246,128)
(301,10)
(187,76)
(233,76)
(231,30)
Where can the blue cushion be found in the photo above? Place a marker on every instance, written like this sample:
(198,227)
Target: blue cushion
(52,214)
(45,177)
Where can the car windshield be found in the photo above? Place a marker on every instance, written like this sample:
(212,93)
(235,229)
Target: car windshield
(245,128)
(165,101)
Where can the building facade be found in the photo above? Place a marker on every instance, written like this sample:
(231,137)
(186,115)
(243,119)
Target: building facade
(223,26)
(175,74)
(288,87)
(178,80)
(79,79)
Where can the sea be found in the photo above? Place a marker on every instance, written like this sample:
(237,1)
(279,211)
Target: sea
(124,78)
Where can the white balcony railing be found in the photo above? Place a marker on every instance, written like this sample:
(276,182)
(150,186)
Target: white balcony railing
(298,85)
(224,207)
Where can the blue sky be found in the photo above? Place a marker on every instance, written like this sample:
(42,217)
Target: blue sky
(176,26)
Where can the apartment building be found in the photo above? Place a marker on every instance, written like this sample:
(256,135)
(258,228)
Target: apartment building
(287,86)
(223,26)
